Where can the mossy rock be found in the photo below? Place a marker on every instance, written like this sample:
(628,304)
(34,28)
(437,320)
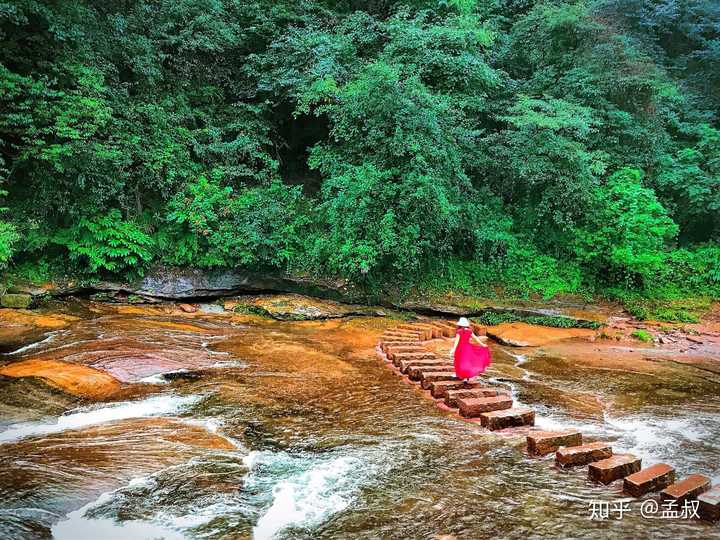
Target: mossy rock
(16,301)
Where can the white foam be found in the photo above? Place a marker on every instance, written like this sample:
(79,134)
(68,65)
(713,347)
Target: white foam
(77,526)
(309,490)
(86,416)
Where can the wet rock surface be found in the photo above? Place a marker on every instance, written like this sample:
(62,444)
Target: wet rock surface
(244,410)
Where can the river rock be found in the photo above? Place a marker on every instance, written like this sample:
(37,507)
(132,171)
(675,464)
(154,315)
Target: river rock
(74,379)
(582,455)
(16,301)
(709,504)
(415,373)
(474,407)
(686,489)
(540,443)
(428,377)
(188,308)
(437,363)
(652,478)
(507,418)
(451,396)
(520,334)
(438,389)
(613,468)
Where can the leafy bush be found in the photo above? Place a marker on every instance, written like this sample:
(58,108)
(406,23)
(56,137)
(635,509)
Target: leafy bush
(629,231)
(107,243)
(642,335)
(211,225)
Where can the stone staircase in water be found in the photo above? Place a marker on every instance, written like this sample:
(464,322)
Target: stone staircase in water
(493,407)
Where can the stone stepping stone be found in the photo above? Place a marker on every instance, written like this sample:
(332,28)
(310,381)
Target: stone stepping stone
(401,336)
(415,373)
(428,377)
(426,331)
(653,478)
(427,355)
(447,329)
(474,407)
(451,396)
(399,349)
(614,468)
(405,365)
(540,443)
(516,417)
(385,345)
(709,507)
(571,456)
(438,389)
(686,489)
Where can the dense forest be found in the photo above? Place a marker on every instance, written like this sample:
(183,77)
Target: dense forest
(497,146)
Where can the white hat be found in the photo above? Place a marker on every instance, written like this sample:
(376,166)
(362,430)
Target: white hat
(462,321)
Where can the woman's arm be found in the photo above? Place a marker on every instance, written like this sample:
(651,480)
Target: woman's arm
(478,340)
(455,344)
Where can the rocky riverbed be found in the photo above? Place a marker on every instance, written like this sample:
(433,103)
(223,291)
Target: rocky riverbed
(244,418)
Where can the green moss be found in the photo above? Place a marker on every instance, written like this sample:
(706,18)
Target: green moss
(642,335)
(492,318)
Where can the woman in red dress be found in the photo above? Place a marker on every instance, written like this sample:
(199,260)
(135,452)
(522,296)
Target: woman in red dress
(472,356)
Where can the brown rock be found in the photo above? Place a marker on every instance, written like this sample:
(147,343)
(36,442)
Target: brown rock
(386,344)
(613,468)
(451,396)
(188,308)
(520,334)
(709,507)
(583,454)
(397,357)
(517,417)
(405,365)
(428,377)
(474,407)
(425,332)
(540,443)
(415,373)
(652,478)
(438,389)
(399,349)
(74,379)
(686,489)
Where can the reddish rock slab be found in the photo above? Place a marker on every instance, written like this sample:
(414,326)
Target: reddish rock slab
(571,456)
(451,396)
(188,308)
(686,489)
(540,443)
(387,344)
(438,389)
(517,417)
(400,349)
(709,504)
(653,478)
(428,377)
(425,332)
(474,407)
(415,373)
(614,468)
(447,329)
(397,357)
(439,363)
(400,336)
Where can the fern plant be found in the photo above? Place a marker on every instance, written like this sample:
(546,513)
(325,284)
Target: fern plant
(107,243)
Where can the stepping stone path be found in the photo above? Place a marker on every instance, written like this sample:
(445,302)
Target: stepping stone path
(653,478)
(493,406)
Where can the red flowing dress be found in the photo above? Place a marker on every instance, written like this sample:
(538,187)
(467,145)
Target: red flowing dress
(470,359)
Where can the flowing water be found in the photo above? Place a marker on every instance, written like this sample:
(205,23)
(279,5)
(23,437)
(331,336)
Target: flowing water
(231,426)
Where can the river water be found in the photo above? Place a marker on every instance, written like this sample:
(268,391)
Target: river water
(234,426)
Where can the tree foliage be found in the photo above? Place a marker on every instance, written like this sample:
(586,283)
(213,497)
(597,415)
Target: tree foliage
(540,146)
